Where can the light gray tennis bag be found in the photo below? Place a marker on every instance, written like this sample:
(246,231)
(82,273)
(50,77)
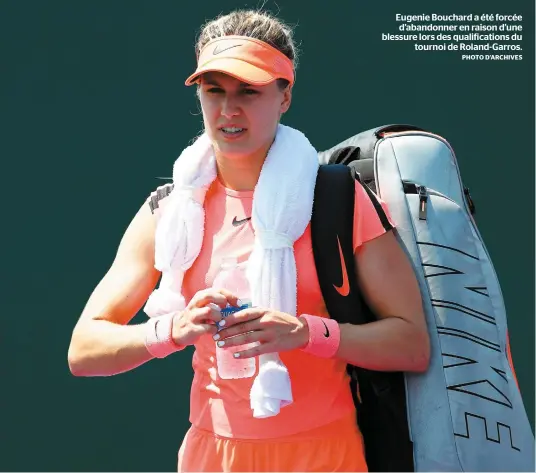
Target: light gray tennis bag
(466,412)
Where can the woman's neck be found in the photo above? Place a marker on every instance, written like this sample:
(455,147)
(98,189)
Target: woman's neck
(240,174)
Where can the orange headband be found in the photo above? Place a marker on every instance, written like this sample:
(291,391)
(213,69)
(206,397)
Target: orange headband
(247,59)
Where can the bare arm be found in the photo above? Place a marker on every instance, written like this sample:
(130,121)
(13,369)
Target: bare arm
(102,344)
(399,340)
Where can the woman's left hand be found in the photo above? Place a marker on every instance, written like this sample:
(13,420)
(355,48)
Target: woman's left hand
(275,331)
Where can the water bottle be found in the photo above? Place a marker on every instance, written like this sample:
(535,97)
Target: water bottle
(233,278)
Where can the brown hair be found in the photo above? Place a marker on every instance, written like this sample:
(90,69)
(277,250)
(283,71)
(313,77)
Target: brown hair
(254,24)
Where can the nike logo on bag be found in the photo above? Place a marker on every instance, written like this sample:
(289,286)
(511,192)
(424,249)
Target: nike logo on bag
(237,223)
(217,49)
(326,333)
(344,289)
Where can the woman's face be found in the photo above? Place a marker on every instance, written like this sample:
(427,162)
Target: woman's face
(241,119)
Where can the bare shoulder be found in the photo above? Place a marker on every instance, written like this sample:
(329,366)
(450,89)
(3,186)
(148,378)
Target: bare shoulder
(388,280)
(138,242)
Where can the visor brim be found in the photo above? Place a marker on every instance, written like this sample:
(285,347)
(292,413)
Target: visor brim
(241,70)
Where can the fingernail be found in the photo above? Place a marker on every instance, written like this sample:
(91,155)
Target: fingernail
(221,343)
(216,337)
(239,303)
(236,355)
(221,323)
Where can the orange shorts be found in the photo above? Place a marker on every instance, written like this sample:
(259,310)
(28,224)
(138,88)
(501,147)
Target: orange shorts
(334,447)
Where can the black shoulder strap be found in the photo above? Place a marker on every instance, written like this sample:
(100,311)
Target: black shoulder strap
(332,235)
(379,396)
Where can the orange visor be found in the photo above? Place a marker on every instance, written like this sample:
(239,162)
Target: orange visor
(247,59)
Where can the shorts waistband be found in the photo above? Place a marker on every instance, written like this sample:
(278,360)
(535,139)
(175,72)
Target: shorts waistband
(343,427)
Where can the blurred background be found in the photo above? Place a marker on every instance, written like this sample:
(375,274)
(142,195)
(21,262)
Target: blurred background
(93,109)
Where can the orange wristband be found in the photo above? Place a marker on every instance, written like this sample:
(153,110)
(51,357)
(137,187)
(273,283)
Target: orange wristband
(324,336)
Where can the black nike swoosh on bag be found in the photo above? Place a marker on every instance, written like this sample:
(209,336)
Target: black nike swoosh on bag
(326,334)
(237,223)
(217,49)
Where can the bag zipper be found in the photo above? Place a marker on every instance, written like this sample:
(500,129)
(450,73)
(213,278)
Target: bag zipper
(423,199)
(470,201)
(422,191)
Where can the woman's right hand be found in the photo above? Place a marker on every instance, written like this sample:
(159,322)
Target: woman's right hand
(199,317)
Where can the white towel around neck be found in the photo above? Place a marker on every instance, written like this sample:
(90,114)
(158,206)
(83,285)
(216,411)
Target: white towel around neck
(282,207)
